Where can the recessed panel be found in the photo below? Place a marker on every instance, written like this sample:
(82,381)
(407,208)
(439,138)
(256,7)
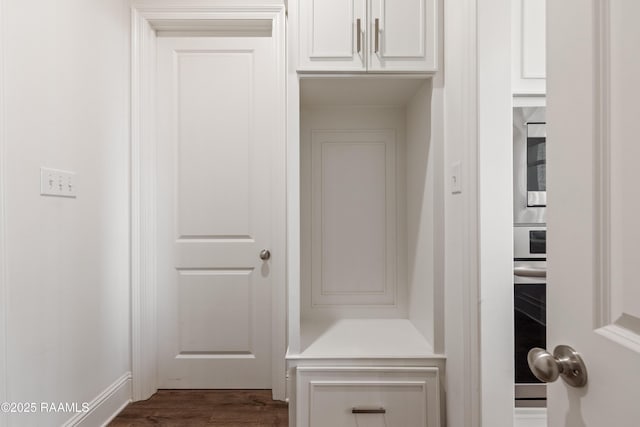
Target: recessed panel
(353,217)
(214,312)
(402,31)
(332,32)
(214,132)
(624,67)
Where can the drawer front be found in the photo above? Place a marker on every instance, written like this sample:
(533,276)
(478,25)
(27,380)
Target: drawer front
(354,397)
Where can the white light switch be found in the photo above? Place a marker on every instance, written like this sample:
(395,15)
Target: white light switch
(54,182)
(456,178)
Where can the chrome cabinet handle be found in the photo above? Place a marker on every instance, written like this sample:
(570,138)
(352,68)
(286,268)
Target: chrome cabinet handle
(368,411)
(359,35)
(564,362)
(377,36)
(530,272)
(265,254)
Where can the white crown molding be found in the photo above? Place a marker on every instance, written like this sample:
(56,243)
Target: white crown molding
(145,19)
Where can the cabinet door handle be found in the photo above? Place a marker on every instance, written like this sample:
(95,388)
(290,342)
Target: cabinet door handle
(368,411)
(359,34)
(377,31)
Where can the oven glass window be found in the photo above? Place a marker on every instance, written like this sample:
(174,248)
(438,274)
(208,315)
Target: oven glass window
(530,326)
(536,163)
(538,242)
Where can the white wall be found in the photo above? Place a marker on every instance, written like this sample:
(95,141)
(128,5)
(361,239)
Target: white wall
(66,106)
(424,204)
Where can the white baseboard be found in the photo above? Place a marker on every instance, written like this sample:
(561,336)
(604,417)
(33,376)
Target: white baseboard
(106,405)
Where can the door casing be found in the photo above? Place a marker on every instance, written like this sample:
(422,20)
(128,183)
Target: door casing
(146,19)
(4,286)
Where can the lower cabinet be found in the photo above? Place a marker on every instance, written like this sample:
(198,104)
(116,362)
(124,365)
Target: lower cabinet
(367,396)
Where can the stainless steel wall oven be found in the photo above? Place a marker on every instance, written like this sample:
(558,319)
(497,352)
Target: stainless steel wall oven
(530,253)
(530,305)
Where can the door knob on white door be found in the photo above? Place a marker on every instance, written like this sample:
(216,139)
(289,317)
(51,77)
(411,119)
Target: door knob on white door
(265,254)
(564,361)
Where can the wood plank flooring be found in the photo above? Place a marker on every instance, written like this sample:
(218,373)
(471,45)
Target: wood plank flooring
(228,408)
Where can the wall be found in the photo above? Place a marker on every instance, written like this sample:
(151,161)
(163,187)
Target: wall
(424,215)
(65,80)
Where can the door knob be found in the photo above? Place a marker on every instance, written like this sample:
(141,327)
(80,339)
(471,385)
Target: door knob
(265,254)
(564,362)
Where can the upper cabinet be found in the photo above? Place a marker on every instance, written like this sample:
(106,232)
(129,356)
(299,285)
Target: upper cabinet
(332,35)
(528,32)
(368,35)
(403,35)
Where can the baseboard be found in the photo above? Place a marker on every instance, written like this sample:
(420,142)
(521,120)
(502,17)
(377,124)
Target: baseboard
(106,405)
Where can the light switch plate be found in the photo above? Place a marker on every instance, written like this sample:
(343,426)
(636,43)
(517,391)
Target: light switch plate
(456,178)
(59,183)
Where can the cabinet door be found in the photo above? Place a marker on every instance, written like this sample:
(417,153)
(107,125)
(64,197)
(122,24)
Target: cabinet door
(328,35)
(528,68)
(403,35)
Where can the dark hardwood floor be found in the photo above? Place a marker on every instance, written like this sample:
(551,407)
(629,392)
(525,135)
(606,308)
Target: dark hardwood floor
(246,408)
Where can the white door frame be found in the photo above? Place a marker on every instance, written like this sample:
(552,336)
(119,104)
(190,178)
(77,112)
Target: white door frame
(462,315)
(495,213)
(477,125)
(146,18)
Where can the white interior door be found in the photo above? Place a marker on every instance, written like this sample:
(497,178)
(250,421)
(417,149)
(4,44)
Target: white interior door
(594,200)
(218,148)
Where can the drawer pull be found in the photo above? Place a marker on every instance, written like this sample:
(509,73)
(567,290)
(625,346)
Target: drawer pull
(368,411)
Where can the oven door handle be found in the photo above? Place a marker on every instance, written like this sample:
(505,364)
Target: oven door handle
(530,272)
